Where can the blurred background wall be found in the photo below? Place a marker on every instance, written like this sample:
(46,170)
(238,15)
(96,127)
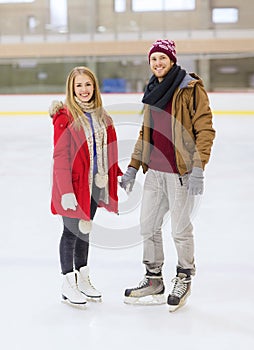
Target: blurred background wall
(42,40)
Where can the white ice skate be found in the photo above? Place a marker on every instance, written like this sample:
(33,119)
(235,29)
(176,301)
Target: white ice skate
(85,286)
(70,292)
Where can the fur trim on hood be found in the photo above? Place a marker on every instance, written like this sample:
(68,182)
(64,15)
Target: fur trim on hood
(55,107)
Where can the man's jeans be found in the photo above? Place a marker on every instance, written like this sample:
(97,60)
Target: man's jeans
(166,192)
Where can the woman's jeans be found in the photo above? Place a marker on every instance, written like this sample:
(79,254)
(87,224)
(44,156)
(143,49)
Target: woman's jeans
(74,245)
(163,193)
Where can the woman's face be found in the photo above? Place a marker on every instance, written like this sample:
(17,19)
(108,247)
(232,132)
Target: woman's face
(83,87)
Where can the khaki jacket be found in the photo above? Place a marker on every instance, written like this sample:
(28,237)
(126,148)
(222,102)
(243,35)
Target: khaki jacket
(192,129)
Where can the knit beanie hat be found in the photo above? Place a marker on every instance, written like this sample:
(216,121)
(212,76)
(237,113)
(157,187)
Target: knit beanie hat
(165,46)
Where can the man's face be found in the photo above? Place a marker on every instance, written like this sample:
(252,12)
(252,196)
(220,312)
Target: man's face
(160,64)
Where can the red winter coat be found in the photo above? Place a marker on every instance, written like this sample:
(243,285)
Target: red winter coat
(72,164)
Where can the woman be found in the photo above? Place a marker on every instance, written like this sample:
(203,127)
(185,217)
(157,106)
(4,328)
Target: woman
(85,174)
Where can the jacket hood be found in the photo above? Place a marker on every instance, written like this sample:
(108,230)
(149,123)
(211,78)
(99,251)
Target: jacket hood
(189,80)
(55,107)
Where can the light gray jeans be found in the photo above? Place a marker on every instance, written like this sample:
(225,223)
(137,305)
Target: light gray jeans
(164,193)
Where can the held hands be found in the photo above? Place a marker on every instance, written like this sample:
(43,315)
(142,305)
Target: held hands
(69,201)
(128,179)
(196,181)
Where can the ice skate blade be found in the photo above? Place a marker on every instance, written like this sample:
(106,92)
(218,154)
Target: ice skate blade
(75,305)
(147,300)
(173,308)
(94,299)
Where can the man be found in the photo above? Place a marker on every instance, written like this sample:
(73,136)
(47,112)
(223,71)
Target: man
(173,148)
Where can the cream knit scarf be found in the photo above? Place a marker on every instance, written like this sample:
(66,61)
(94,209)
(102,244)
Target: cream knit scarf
(100,136)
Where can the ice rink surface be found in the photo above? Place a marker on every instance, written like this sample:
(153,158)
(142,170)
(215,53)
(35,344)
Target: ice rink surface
(220,311)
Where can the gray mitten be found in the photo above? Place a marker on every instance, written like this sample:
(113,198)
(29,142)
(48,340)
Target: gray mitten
(196,181)
(128,179)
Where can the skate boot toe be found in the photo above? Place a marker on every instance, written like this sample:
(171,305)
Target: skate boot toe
(173,300)
(127,292)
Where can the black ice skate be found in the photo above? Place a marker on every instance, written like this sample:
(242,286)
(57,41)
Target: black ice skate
(180,292)
(150,291)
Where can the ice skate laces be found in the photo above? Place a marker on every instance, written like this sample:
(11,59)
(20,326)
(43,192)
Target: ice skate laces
(90,283)
(180,286)
(143,283)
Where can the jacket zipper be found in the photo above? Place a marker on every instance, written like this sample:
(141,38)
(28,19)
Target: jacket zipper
(173,134)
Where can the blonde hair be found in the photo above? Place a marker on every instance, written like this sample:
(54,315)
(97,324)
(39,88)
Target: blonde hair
(72,104)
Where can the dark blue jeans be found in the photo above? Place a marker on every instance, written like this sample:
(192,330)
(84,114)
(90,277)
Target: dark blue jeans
(74,245)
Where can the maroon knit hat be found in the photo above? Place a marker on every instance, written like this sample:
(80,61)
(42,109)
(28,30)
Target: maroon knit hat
(165,46)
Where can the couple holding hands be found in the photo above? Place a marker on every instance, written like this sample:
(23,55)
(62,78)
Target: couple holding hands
(173,147)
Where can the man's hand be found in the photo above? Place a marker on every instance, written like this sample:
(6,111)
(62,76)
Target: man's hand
(128,179)
(196,181)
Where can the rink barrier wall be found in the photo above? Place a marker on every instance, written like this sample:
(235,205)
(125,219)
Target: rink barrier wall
(233,103)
